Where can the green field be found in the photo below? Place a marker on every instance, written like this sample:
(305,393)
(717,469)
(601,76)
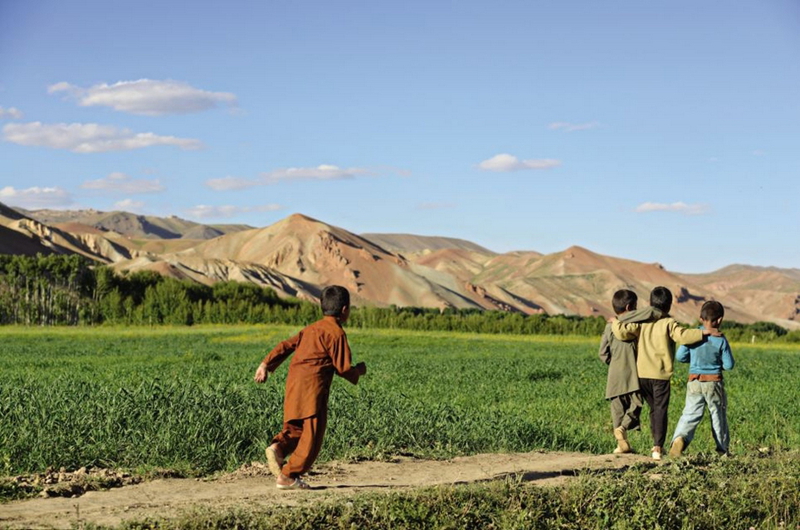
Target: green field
(183,399)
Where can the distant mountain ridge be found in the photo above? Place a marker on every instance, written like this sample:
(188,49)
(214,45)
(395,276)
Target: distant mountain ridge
(411,244)
(134,225)
(299,255)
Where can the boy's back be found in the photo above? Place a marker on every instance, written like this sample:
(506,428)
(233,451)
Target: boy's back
(620,356)
(709,357)
(320,350)
(656,345)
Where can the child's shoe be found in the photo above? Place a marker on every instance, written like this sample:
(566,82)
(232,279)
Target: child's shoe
(656,454)
(621,434)
(286,483)
(678,445)
(275,459)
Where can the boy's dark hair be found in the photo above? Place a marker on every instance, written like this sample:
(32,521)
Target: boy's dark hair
(624,300)
(661,298)
(712,311)
(333,299)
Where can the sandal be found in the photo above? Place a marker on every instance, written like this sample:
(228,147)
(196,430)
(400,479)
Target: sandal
(298,484)
(274,462)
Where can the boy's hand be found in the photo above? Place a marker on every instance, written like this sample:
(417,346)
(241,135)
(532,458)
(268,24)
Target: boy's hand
(261,373)
(714,332)
(362,368)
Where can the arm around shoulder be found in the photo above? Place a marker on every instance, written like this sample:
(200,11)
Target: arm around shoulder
(645,314)
(682,335)
(625,330)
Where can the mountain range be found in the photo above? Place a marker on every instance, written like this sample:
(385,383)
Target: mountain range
(298,255)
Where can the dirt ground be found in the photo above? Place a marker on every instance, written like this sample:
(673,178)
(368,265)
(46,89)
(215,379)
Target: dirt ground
(254,487)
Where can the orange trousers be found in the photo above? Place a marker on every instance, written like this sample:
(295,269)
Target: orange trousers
(302,439)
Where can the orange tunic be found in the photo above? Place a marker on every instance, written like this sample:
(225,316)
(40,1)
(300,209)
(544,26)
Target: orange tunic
(320,350)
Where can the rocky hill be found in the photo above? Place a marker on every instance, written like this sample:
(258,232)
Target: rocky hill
(135,226)
(298,255)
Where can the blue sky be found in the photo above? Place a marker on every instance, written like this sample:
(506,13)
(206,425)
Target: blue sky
(656,131)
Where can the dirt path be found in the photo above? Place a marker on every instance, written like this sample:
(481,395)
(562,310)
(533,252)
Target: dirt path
(253,486)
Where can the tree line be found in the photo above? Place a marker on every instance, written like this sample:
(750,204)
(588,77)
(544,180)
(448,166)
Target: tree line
(71,290)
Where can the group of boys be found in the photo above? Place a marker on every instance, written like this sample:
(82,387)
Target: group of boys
(639,347)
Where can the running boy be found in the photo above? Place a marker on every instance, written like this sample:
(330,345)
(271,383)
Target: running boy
(622,388)
(707,360)
(321,350)
(656,357)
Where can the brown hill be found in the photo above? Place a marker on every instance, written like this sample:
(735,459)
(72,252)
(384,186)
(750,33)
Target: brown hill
(298,255)
(306,254)
(133,225)
(25,235)
(768,292)
(578,281)
(13,242)
(408,244)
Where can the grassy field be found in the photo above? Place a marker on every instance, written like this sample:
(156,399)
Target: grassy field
(183,398)
(701,493)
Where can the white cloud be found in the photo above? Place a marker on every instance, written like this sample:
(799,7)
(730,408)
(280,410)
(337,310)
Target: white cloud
(129,205)
(231,183)
(506,162)
(10,113)
(89,137)
(322,172)
(215,212)
(570,127)
(148,97)
(36,197)
(121,183)
(679,207)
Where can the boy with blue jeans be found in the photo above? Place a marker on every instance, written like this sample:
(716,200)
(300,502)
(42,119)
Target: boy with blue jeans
(705,388)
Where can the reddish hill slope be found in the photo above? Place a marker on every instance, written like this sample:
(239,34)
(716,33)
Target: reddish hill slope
(766,291)
(298,255)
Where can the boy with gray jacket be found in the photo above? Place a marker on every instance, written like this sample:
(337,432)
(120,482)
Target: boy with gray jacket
(622,388)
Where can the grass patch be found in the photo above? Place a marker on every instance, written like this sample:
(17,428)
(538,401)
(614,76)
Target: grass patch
(183,399)
(698,493)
